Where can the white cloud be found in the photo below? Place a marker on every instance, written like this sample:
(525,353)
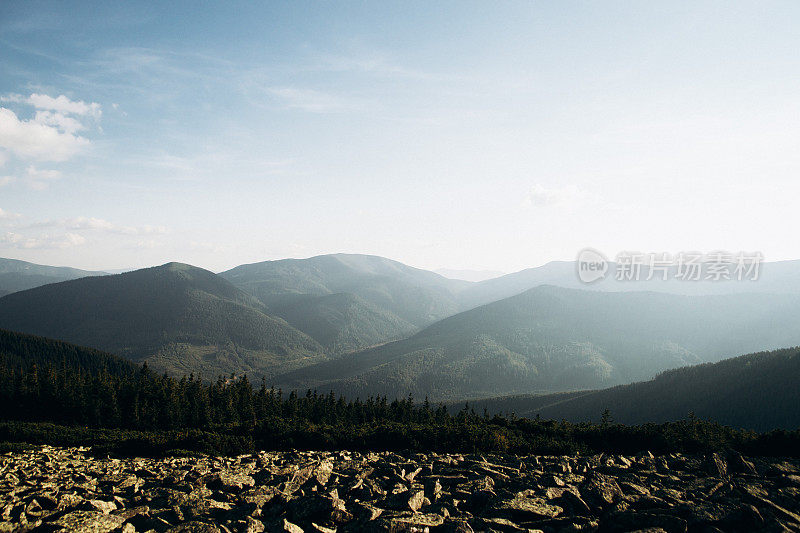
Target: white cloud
(50,135)
(76,231)
(34,140)
(80,223)
(62,122)
(7,215)
(62,104)
(98,224)
(39,179)
(11,238)
(557,197)
(67,240)
(147,244)
(91,223)
(5,180)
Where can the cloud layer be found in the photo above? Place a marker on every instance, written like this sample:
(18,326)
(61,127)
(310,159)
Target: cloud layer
(51,135)
(46,242)
(70,232)
(41,141)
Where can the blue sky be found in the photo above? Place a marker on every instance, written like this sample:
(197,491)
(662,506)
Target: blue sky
(476,135)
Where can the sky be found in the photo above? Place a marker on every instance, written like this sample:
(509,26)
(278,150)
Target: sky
(464,135)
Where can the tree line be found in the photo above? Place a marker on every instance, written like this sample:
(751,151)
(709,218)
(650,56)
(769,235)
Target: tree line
(56,393)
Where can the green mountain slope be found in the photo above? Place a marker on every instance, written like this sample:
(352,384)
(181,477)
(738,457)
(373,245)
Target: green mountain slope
(18,275)
(554,339)
(757,391)
(343,322)
(19,352)
(391,296)
(180,318)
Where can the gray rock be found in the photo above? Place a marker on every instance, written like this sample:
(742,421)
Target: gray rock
(230,482)
(527,506)
(87,522)
(195,527)
(65,489)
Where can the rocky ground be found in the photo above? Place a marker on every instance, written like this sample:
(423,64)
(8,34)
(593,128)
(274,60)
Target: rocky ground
(57,489)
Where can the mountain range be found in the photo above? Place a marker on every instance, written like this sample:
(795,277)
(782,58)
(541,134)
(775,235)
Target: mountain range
(179,318)
(468,275)
(780,277)
(419,297)
(366,325)
(756,391)
(348,302)
(18,275)
(555,339)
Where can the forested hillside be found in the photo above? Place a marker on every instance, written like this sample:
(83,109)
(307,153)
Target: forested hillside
(19,352)
(180,318)
(417,296)
(343,322)
(555,339)
(56,393)
(756,391)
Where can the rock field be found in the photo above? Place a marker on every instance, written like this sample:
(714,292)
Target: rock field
(67,489)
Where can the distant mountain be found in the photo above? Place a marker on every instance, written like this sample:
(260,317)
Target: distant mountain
(397,294)
(558,273)
(555,339)
(343,322)
(180,318)
(782,277)
(469,275)
(18,275)
(757,391)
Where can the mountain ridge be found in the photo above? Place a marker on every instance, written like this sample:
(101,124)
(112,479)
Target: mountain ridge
(551,338)
(180,318)
(390,295)
(755,391)
(17,275)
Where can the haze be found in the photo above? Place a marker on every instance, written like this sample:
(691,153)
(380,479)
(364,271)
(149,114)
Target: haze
(465,135)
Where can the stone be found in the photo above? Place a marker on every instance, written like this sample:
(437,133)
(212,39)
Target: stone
(527,506)
(88,521)
(716,465)
(635,521)
(64,489)
(285,525)
(319,508)
(601,491)
(417,521)
(365,511)
(230,482)
(253,526)
(195,527)
(101,505)
(739,464)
